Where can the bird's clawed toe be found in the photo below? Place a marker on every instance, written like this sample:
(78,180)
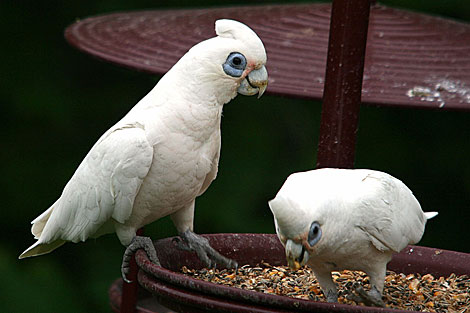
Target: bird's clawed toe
(331,296)
(208,255)
(371,298)
(180,244)
(138,242)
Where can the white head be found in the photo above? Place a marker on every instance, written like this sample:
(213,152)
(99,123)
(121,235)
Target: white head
(220,66)
(298,218)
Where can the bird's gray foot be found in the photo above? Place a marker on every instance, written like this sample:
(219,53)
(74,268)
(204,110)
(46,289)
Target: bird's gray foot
(209,257)
(331,296)
(371,298)
(138,242)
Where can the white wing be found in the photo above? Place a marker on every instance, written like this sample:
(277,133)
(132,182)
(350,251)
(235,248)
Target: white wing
(214,165)
(378,204)
(391,215)
(103,187)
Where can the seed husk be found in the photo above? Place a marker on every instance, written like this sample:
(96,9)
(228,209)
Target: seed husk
(414,292)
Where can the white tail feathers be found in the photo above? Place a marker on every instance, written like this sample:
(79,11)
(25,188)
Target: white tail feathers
(40,221)
(41,248)
(430,215)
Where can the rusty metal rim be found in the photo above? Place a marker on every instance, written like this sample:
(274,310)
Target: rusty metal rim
(170,295)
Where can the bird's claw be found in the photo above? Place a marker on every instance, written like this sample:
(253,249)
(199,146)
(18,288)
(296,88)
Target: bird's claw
(138,242)
(208,255)
(181,244)
(331,296)
(371,298)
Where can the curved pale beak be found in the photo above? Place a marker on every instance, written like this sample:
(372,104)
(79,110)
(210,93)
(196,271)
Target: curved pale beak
(296,255)
(254,83)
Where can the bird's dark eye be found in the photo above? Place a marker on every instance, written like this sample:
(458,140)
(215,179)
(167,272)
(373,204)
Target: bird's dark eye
(235,64)
(314,234)
(237,61)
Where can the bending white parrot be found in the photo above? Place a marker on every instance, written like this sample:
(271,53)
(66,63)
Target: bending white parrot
(336,219)
(161,155)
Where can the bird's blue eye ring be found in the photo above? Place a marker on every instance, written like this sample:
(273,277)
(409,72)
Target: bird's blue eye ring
(235,64)
(314,234)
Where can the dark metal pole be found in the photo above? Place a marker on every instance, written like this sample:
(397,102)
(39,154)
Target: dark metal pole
(129,290)
(343,83)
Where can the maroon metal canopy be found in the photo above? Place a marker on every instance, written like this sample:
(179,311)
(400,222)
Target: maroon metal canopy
(412,60)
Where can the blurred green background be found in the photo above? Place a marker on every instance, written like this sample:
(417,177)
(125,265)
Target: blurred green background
(56,102)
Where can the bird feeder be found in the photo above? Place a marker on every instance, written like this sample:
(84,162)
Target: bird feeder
(389,57)
(186,294)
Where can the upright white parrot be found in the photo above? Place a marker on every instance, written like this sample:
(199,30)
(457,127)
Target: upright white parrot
(336,219)
(162,155)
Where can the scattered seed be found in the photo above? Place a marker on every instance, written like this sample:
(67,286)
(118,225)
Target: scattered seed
(406,292)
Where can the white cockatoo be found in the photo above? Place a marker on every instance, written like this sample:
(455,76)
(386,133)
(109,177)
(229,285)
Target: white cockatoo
(354,219)
(162,155)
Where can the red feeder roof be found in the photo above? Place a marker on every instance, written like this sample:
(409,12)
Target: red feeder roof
(412,60)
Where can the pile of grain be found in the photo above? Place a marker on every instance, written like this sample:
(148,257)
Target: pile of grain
(406,292)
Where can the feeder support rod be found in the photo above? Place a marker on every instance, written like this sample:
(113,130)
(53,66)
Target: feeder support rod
(343,83)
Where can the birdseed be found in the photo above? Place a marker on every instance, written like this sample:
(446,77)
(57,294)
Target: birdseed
(413,292)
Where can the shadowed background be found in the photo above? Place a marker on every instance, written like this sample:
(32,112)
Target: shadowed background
(56,102)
